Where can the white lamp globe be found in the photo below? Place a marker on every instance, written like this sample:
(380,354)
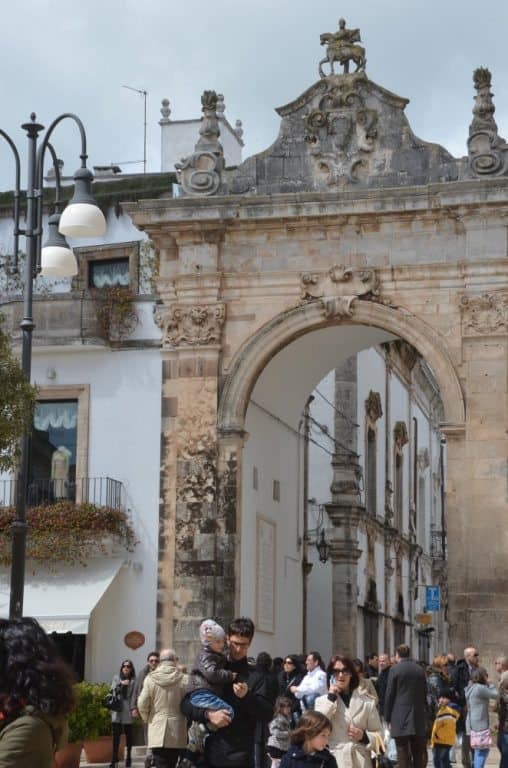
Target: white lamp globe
(58,262)
(82,217)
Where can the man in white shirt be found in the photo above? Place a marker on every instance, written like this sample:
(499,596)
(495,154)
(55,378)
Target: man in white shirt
(314,682)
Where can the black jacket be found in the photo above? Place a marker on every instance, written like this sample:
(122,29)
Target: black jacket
(406,700)
(380,684)
(233,746)
(460,680)
(295,757)
(209,671)
(285,683)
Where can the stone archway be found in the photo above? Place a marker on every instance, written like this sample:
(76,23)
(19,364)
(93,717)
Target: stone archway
(251,358)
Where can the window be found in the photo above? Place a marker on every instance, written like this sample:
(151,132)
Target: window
(371,467)
(255,478)
(108,272)
(59,455)
(276,490)
(54,449)
(398,490)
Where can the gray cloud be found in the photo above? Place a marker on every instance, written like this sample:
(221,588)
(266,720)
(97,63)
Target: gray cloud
(65,55)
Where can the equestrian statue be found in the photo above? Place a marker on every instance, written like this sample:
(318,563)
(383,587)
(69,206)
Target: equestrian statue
(341,47)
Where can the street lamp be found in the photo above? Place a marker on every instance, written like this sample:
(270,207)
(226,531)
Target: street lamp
(81,218)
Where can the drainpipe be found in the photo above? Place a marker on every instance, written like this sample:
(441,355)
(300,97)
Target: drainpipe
(306,566)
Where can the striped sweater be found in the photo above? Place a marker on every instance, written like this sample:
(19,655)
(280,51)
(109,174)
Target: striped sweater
(445,727)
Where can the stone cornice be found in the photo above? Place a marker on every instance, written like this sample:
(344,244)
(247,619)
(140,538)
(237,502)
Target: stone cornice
(441,200)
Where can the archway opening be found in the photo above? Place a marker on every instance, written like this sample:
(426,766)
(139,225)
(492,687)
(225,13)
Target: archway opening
(344,446)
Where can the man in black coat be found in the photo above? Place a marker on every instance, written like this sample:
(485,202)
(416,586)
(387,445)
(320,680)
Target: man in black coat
(232,744)
(460,680)
(405,710)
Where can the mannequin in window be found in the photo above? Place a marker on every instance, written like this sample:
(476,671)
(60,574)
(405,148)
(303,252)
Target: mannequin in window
(60,461)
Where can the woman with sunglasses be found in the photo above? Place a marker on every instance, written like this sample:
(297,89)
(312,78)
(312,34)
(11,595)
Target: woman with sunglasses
(292,675)
(124,683)
(356,727)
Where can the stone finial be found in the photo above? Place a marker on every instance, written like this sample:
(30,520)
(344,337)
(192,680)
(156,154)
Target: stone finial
(200,173)
(342,47)
(487,151)
(165,111)
(221,107)
(239,129)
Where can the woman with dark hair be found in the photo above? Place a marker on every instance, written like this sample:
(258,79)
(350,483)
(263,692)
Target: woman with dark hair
(356,727)
(292,675)
(124,683)
(35,696)
(365,683)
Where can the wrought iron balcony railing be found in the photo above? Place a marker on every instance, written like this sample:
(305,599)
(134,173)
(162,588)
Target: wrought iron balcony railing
(101,491)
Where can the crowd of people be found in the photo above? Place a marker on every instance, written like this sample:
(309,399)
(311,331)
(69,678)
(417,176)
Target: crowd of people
(231,711)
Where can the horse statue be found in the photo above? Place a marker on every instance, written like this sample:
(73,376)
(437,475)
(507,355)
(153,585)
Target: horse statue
(341,47)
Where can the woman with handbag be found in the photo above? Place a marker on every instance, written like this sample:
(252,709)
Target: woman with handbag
(123,685)
(478,694)
(356,727)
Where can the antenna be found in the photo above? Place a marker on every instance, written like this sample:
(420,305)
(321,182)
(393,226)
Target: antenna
(143,93)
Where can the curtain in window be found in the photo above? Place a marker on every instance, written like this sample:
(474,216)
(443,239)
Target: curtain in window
(107,274)
(56,416)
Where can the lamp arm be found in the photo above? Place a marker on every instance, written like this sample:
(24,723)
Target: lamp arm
(16,194)
(58,202)
(47,137)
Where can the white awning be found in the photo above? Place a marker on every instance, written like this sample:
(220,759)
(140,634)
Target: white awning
(62,601)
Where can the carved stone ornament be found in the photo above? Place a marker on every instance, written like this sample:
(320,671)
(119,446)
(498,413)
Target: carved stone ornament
(423,459)
(190,325)
(373,408)
(400,436)
(200,173)
(488,152)
(340,130)
(342,47)
(341,282)
(484,315)
(388,502)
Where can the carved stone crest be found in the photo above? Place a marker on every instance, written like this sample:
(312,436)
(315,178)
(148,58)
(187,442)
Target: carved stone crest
(484,315)
(340,130)
(200,173)
(423,459)
(190,325)
(488,152)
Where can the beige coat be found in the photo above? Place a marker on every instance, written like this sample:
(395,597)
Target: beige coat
(159,706)
(362,713)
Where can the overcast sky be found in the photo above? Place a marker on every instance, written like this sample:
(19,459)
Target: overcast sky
(64,55)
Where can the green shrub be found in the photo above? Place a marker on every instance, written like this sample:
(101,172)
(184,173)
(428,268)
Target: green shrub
(90,719)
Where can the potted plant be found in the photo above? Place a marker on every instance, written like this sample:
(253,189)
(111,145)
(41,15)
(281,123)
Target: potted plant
(90,722)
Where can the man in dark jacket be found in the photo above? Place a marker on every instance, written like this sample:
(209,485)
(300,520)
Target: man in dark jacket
(232,744)
(381,683)
(405,710)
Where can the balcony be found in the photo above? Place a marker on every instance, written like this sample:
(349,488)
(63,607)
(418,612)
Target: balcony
(99,491)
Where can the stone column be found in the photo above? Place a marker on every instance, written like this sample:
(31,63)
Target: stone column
(195,550)
(345,510)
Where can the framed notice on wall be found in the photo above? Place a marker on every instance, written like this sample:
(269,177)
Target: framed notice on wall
(265,575)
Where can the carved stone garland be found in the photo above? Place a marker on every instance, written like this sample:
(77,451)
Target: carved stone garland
(484,315)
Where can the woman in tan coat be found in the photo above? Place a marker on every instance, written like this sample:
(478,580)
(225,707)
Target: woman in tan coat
(159,706)
(356,727)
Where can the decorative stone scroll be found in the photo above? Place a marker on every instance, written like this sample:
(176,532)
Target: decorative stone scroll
(191,325)
(484,315)
(488,152)
(339,281)
(341,130)
(200,173)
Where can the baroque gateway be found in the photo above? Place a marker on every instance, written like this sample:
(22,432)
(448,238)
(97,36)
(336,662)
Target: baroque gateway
(348,222)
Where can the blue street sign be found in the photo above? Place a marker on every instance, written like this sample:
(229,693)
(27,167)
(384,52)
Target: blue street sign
(432,598)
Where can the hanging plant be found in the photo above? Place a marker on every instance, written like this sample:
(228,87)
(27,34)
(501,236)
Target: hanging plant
(67,532)
(116,311)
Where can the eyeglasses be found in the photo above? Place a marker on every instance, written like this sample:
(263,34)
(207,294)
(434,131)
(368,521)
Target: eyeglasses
(476,654)
(288,661)
(238,644)
(129,666)
(341,671)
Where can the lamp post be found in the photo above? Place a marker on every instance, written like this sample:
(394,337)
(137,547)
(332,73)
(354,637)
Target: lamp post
(81,218)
